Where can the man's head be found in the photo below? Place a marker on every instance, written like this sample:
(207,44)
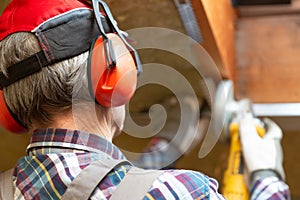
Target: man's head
(45,94)
(54,40)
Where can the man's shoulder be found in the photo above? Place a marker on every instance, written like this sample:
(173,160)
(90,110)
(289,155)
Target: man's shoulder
(182,183)
(188,177)
(185,173)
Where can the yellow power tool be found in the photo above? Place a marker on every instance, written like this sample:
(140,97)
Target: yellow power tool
(235,187)
(227,112)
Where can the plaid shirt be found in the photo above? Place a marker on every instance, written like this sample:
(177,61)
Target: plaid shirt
(270,188)
(56,157)
(160,154)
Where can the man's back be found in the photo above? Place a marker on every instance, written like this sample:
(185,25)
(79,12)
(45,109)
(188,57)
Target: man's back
(57,156)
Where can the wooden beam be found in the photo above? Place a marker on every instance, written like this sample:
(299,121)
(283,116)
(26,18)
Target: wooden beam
(216,21)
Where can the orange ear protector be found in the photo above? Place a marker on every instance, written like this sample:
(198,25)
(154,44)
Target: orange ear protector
(112,69)
(7,119)
(111,82)
(113,66)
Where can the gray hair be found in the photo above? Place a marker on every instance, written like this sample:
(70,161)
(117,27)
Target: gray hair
(41,96)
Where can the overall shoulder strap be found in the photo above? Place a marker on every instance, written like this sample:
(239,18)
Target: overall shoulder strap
(88,179)
(136,184)
(6,185)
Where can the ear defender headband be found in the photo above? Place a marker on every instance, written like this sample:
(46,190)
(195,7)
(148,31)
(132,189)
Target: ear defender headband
(113,64)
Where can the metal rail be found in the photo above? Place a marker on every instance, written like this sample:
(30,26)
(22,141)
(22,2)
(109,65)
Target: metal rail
(277,109)
(188,19)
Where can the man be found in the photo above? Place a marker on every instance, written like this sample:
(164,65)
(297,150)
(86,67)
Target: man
(70,130)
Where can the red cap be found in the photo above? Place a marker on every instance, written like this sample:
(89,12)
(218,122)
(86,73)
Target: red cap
(26,15)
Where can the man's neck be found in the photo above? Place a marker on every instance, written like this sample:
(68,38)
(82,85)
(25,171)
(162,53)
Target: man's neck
(84,118)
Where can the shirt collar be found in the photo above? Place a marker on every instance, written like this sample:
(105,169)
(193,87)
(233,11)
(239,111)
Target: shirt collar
(73,140)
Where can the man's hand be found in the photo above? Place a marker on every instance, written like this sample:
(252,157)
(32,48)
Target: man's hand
(261,153)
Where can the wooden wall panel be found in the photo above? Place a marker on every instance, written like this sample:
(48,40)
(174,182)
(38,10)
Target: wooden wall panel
(268,58)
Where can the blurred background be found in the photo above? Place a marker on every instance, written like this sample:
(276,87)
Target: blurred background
(256,44)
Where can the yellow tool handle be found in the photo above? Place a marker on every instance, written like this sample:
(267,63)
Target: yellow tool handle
(235,187)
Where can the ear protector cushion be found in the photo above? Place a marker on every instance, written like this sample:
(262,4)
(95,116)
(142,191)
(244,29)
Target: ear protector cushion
(111,86)
(7,120)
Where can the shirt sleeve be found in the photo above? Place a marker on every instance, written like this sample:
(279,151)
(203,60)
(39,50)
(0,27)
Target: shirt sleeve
(213,190)
(270,188)
(184,184)
(160,155)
